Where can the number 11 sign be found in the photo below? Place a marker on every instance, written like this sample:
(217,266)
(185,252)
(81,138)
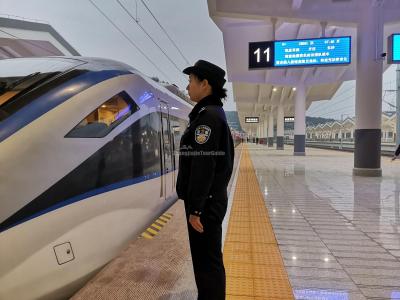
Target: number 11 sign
(261,55)
(325,51)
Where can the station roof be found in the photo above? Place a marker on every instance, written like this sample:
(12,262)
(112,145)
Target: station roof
(30,38)
(256,92)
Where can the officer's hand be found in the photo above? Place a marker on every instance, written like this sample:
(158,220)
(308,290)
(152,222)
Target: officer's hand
(196,224)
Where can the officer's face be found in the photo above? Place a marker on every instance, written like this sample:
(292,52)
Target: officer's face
(197,89)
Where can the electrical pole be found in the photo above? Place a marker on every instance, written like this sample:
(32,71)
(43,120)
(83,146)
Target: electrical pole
(397,105)
(341,132)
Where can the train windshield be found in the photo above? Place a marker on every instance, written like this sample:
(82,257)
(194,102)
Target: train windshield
(21,75)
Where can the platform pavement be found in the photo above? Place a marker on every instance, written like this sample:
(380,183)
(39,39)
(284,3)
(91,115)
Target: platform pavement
(158,268)
(339,235)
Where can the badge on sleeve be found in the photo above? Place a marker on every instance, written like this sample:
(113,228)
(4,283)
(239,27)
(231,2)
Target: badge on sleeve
(202,134)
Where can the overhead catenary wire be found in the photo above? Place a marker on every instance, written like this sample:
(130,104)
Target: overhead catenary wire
(390,104)
(333,100)
(166,33)
(337,110)
(129,40)
(332,103)
(323,108)
(334,111)
(150,37)
(387,102)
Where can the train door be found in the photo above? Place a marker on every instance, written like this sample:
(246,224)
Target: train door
(167,166)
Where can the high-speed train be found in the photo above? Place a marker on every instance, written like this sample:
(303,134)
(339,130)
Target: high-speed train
(88,158)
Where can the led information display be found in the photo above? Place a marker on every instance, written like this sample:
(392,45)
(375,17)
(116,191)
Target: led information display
(289,119)
(300,53)
(394,49)
(251,119)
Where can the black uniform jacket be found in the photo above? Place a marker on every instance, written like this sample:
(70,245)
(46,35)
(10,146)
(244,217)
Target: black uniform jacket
(206,160)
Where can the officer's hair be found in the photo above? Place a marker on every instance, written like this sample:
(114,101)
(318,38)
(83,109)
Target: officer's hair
(217,91)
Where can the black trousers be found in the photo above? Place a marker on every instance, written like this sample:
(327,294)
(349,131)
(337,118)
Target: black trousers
(207,260)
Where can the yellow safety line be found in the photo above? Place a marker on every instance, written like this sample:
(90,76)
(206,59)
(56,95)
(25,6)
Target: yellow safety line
(163,219)
(156,227)
(159,222)
(151,231)
(253,263)
(146,235)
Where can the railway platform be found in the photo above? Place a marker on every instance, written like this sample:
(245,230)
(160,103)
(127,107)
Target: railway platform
(298,227)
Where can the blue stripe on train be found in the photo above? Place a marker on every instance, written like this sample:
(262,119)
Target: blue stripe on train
(87,195)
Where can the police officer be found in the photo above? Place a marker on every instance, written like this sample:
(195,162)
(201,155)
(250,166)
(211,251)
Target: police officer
(205,167)
(396,153)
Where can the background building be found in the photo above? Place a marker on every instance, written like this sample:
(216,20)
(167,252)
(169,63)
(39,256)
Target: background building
(30,38)
(334,131)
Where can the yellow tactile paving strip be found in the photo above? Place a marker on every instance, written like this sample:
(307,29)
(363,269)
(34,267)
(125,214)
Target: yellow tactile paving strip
(253,263)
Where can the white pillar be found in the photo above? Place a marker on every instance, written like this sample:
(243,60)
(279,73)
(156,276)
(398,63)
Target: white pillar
(300,121)
(271,129)
(265,125)
(367,142)
(264,129)
(280,123)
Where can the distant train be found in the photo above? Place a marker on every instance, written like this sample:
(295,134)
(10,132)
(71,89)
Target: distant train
(88,158)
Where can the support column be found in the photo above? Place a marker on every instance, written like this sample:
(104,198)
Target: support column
(280,123)
(367,135)
(262,132)
(271,129)
(265,125)
(300,121)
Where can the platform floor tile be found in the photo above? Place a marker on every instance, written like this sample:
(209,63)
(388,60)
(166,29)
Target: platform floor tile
(253,263)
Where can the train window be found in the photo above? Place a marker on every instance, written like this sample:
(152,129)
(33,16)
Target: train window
(105,118)
(18,77)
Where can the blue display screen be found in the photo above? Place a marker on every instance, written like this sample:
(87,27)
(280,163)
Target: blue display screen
(300,53)
(323,51)
(396,48)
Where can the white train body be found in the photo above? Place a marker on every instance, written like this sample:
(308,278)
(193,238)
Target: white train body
(88,158)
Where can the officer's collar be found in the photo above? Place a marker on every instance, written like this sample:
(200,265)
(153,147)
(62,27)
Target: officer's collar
(208,100)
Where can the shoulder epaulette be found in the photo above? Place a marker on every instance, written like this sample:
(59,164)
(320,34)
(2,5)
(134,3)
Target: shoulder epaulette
(201,110)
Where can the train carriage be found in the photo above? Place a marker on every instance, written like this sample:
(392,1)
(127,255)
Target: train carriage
(88,158)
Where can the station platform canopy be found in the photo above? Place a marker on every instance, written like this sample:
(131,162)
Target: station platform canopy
(260,91)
